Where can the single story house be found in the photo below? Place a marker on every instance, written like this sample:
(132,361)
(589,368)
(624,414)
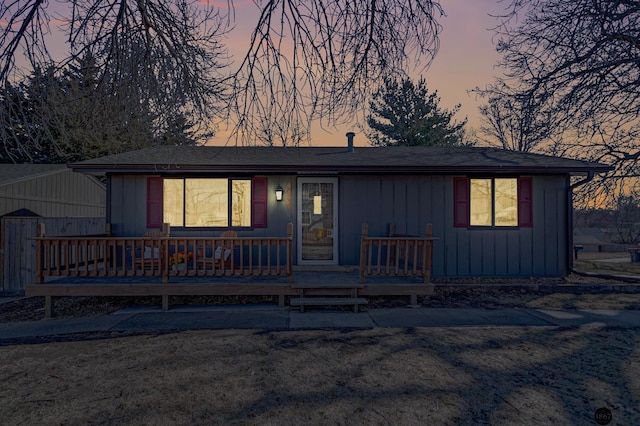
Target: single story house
(495,213)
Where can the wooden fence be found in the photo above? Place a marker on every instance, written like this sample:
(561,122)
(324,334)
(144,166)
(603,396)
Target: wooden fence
(18,249)
(163,256)
(398,255)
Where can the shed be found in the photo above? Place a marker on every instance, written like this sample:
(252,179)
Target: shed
(50,191)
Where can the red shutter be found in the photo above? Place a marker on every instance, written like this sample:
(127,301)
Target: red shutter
(259,202)
(460,202)
(525,202)
(154,202)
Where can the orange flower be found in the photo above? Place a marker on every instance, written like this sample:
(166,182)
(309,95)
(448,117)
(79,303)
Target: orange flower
(180,257)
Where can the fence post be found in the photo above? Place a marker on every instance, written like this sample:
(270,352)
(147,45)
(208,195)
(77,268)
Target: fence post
(363,251)
(48,299)
(39,229)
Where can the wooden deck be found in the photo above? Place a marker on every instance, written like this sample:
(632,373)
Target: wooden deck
(161,265)
(224,286)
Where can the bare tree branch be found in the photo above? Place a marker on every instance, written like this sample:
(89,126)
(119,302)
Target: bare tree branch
(513,120)
(306,59)
(585,52)
(580,61)
(324,59)
(163,57)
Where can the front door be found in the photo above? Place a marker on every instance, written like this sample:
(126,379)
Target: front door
(317,221)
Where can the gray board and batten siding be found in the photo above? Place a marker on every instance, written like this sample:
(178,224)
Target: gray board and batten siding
(409,202)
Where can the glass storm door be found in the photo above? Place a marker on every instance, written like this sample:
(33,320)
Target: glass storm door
(317,221)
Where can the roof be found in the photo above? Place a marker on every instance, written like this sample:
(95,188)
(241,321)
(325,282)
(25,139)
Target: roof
(417,159)
(12,173)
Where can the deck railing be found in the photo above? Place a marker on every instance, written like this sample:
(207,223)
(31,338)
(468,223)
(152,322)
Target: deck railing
(160,256)
(398,255)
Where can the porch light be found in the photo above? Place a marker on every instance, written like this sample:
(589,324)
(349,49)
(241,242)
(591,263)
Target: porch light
(279,193)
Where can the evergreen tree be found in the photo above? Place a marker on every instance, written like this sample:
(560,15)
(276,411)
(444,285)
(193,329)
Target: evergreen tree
(404,113)
(67,116)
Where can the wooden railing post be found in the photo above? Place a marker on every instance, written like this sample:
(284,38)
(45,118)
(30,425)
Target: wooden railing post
(39,252)
(166,230)
(363,251)
(290,252)
(428,250)
(164,260)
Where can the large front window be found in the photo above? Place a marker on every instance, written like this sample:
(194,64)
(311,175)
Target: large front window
(493,202)
(207,202)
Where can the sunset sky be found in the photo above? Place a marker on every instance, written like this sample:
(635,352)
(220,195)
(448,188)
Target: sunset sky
(466,59)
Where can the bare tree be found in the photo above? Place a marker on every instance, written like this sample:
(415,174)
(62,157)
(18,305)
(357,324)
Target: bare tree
(306,59)
(165,54)
(514,121)
(282,131)
(582,59)
(323,59)
(585,53)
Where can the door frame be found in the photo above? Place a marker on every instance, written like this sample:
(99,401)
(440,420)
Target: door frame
(319,179)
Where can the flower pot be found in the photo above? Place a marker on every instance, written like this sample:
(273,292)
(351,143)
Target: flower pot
(179,267)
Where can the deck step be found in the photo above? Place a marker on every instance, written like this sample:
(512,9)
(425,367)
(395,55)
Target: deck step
(327,285)
(327,301)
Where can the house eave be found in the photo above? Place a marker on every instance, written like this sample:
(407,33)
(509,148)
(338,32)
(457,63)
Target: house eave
(175,169)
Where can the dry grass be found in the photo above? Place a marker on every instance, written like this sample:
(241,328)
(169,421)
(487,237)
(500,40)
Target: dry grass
(382,376)
(598,266)
(601,263)
(444,376)
(585,301)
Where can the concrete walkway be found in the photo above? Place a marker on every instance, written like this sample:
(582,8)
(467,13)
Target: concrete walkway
(271,317)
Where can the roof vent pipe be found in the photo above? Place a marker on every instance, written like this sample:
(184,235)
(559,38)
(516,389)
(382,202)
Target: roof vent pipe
(350,136)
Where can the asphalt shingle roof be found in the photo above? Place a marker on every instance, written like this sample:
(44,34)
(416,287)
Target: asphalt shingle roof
(173,159)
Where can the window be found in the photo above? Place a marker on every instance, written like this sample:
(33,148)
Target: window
(493,202)
(207,202)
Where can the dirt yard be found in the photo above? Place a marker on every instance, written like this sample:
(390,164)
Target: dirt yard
(447,376)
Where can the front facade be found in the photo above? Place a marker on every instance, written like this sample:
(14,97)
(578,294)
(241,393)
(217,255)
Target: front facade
(495,213)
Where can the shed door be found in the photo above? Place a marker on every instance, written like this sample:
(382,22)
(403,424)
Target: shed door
(317,221)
